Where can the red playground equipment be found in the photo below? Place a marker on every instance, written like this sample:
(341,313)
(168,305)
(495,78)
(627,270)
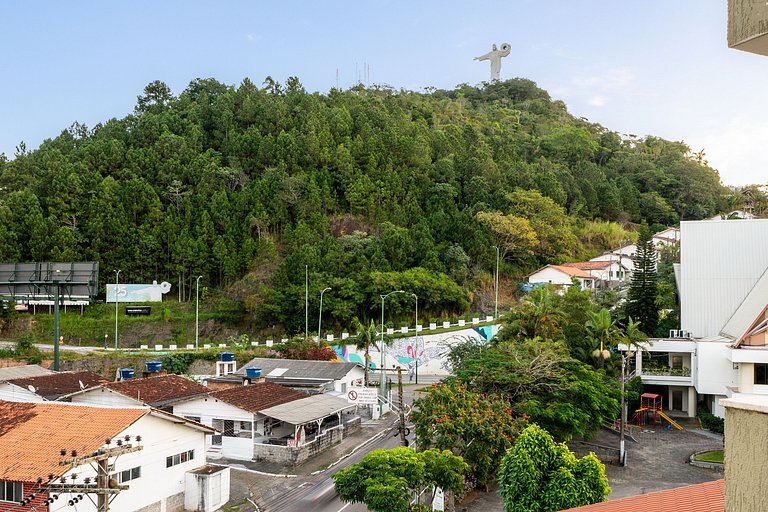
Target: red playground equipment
(651,411)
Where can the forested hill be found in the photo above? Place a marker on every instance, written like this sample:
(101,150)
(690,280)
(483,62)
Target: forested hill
(371,189)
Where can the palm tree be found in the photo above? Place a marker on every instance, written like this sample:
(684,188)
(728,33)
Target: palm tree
(365,335)
(603,331)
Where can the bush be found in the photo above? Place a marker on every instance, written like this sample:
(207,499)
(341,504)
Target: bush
(711,422)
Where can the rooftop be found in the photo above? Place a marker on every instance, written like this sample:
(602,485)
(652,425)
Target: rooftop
(31,435)
(589,265)
(706,497)
(571,271)
(293,368)
(53,385)
(256,397)
(158,390)
(27,370)
(311,408)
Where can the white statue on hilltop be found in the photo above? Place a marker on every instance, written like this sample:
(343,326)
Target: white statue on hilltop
(495,57)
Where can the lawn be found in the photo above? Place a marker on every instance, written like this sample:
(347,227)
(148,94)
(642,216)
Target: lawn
(715,456)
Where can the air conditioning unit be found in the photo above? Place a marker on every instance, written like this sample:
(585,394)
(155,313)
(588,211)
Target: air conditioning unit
(674,333)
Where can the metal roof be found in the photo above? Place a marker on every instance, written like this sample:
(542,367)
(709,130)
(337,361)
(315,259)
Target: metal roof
(299,369)
(721,261)
(20,372)
(308,409)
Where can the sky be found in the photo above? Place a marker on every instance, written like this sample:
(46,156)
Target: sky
(656,67)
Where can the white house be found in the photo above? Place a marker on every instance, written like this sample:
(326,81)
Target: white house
(562,276)
(34,435)
(607,273)
(625,262)
(331,375)
(236,413)
(720,348)
(48,386)
(161,392)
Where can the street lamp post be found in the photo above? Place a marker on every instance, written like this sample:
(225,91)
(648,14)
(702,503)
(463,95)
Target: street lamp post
(622,454)
(306,302)
(381,348)
(496,287)
(197,310)
(117,282)
(416,328)
(320,317)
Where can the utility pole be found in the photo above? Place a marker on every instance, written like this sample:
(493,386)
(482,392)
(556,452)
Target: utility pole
(403,440)
(103,487)
(306,302)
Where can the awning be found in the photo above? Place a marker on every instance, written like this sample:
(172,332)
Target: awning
(308,409)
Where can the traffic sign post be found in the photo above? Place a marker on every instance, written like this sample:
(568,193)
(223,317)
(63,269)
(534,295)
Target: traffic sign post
(362,396)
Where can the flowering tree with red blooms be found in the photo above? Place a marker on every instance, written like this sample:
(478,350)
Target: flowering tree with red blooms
(307,350)
(478,427)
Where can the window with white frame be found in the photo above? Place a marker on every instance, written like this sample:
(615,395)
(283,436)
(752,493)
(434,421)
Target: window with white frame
(179,458)
(127,475)
(11,491)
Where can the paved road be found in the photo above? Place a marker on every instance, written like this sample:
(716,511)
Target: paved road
(49,348)
(315,492)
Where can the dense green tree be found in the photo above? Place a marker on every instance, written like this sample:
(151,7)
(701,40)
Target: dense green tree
(539,475)
(643,289)
(389,480)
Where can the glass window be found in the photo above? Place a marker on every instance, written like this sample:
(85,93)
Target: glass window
(193,418)
(11,491)
(173,460)
(127,475)
(761,374)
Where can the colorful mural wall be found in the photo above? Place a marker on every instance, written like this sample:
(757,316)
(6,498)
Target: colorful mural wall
(422,354)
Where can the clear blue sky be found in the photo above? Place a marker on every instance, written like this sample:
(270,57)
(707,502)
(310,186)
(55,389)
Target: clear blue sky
(656,67)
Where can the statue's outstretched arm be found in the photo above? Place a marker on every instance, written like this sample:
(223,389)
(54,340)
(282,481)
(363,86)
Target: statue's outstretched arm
(487,56)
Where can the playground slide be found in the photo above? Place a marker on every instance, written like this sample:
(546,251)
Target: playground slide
(670,420)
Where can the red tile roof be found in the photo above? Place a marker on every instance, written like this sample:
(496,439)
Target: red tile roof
(54,385)
(706,497)
(157,390)
(255,397)
(31,435)
(575,272)
(589,265)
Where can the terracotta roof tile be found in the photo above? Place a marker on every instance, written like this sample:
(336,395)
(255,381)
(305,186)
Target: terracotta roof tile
(256,397)
(157,390)
(31,435)
(575,272)
(589,265)
(706,497)
(54,385)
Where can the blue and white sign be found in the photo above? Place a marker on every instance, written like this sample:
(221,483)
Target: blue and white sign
(138,292)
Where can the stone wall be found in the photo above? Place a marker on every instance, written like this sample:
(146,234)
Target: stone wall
(606,454)
(175,503)
(154,507)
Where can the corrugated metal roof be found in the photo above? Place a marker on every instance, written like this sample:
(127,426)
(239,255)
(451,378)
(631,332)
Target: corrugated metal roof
(748,311)
(19,372)
(294,368)
(720,262)
(307,409)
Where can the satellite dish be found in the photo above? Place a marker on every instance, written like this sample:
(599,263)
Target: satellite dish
(32,388)
(82,386)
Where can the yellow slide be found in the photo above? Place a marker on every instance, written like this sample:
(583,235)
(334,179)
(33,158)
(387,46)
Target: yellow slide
(670,420)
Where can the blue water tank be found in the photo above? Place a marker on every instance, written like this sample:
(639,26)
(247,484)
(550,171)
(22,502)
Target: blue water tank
(126,373)
(154,366)
(253,373)
(227,357)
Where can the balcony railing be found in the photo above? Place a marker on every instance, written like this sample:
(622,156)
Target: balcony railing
(666,371)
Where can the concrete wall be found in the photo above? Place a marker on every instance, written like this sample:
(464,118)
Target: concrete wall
(298,454)
(746,460)
(606,454)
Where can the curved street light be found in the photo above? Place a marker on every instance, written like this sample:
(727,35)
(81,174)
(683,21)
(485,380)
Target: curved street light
(197,310)
(117,282)
(381,348)
(320,317)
